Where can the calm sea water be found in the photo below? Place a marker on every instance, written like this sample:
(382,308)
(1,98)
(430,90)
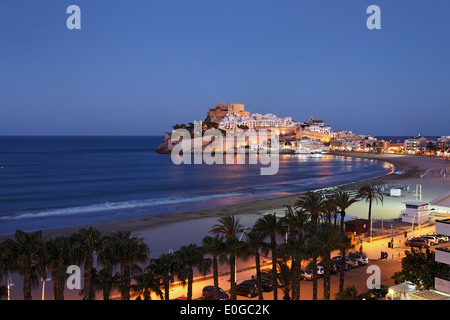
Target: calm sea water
(48,182)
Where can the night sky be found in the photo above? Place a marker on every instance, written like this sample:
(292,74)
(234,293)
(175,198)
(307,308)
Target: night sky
(138,67)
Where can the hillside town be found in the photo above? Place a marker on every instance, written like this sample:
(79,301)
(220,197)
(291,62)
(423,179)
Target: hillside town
(304,137)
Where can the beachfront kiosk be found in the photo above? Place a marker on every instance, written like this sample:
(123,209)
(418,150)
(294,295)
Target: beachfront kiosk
(416,212)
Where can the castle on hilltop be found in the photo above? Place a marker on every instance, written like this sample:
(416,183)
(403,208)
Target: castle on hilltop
(305,136)
(222,109)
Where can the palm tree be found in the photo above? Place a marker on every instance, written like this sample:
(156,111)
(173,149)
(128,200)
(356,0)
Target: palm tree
(326,236)
(59,255)
(230,227)
(343,244)
(86,242)
(285,279)
(342,200)
(105,281)
(164,268)
(3,292)
(312,249)
(370,193)
(293,249)
(214,246)
(312,202)
(188,258)
(269,226)
(297,224)
(329,210)
(146,283)
(5,260)
(127,250)
(25,249)
(255,243)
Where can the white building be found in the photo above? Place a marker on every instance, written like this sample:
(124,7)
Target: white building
(316,126)
(441,290)
(256,120)
(442,255)
(307,145)
(417,212)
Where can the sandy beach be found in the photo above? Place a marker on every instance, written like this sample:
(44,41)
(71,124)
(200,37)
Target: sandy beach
(168,232)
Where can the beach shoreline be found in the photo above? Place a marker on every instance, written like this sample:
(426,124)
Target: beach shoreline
(154,221)
(190,226)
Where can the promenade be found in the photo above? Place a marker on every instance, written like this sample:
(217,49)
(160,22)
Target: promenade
(357,276)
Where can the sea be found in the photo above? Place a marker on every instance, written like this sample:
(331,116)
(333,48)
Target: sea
(60,181)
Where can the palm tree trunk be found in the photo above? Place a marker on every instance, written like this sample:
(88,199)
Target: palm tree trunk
(232,277)
(326,283)
(87,277)
(327,276)
(121,279)
(166,286)
(342,221)
(274,266)
(216,277)
(27,284)
(190,283)
(295,279)
(258,274)
(106,294)
(342,274)
(60,290)
(126,282)
(315,280)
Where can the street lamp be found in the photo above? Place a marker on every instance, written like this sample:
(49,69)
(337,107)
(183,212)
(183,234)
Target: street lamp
(235,258)
(43,286)
(10,284)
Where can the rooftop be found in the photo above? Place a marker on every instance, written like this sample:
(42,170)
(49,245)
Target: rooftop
(416,203)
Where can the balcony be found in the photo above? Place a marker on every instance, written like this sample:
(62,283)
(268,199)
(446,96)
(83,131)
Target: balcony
(442,283)
(442,255)
(443,227)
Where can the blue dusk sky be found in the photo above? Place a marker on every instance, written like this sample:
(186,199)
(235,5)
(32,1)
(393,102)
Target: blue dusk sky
(138,67)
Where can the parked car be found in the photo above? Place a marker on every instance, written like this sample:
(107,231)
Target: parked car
(208,294)
(417,242)
(320,270)
(306,274)
(433,240)
(333,268)
(352,263)
(267,274)
(349,263)
(441,237)
(359,257)
(337,261)
(266,284)
(248,289)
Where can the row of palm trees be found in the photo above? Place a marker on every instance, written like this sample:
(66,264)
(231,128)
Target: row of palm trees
(33,257)
(308,234)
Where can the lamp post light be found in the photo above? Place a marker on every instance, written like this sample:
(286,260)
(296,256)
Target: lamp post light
(10,284)
(43,286)
(235,258)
